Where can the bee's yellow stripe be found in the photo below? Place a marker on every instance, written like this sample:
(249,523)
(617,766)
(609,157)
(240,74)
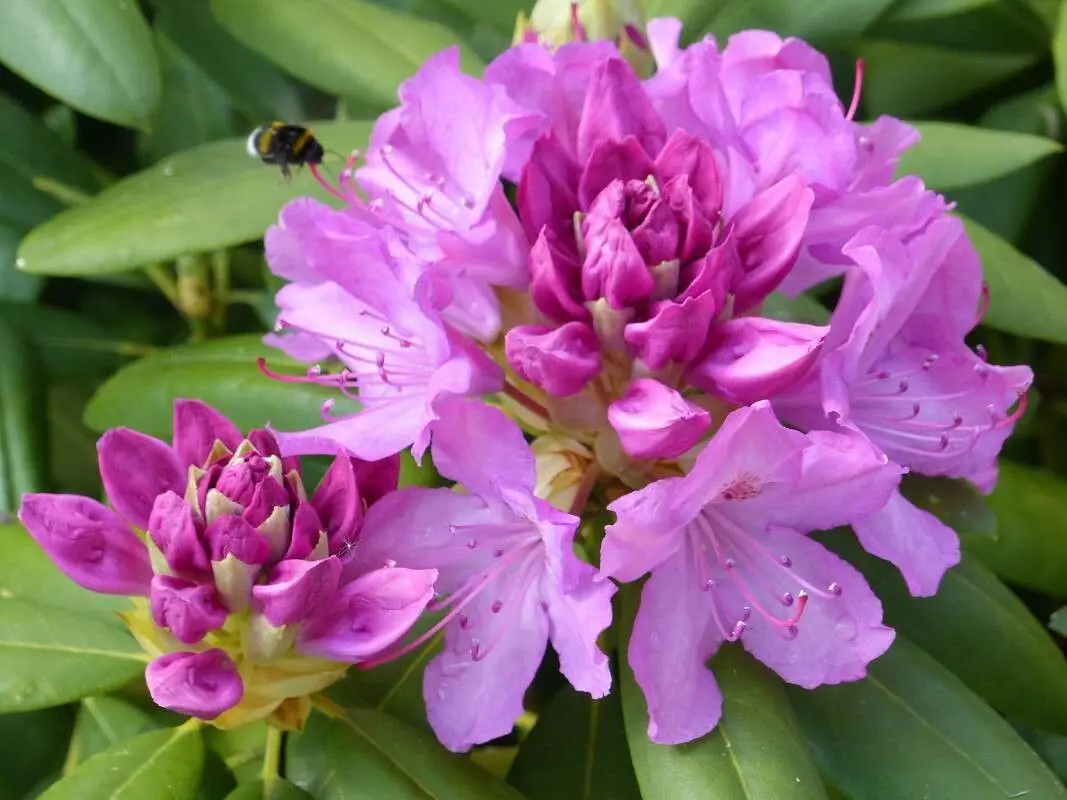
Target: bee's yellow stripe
(302,142)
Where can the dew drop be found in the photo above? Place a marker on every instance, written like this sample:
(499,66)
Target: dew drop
(834,589)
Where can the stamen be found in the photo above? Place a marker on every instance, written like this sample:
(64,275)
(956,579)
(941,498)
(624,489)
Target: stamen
(634,34)
(856,91)
(983,303)
(325,184)
(577,29)
(525,401)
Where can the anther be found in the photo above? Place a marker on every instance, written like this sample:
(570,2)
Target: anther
(834,589)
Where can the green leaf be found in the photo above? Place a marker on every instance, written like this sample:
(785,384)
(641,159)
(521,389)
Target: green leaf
(1051,748)
(1028,548)
(1058,621)
(576,751)
(955,502)
(826,22)
(1024,299)
(912,729)
(34,151)
(14,284)
(208,198)
(906,79)
(159,765)
(194,109)
(370,754)
(63,339)
(1059,54)
(345,47)
(977,628)
(52,656)
(914,10)
(94,55)
(33,744)
(23,434)
(755,753)
(27,573)
(951,155)
(278,789)
(103,722)
(802,308)
(222,373)
(240,749)
(256,87)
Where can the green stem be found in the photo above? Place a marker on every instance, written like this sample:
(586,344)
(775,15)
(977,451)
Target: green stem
(158,274)
(272,755)
(220,267)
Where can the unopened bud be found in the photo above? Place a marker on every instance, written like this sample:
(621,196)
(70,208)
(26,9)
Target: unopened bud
(556,22)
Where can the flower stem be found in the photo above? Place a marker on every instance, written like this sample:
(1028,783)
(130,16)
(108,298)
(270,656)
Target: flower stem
(525,400)
(585,488)
(272,755)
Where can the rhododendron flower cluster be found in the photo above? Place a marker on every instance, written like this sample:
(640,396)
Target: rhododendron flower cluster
(590,252)
(239,590)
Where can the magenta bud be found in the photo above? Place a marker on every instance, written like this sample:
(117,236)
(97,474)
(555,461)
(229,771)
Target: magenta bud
(201,685)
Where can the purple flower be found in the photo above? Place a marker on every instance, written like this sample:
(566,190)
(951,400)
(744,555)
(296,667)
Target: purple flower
(507,575)
(238,564)
(729,559)
(895,367)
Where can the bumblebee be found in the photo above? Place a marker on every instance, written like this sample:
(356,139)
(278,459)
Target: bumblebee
(286,145)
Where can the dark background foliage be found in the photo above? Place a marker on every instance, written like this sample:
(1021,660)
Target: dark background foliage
(131,273)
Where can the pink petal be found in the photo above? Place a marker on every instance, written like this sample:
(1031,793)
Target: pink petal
(654,421)
(468,701)
(197,426)
(921,546)
(338,501)
(670,644)
(616,107)
(234,536)
(187,609)
(369,614)
(648,529)
(201,685)
(173,530)
(576,618)
(480,447)
(751,358)
(371,434)
(295,590)
(837,636)
(685,154)
(561,361)
(135,470)
(613,160)
(88,542)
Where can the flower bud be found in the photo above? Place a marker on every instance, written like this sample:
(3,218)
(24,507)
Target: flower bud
(556,22)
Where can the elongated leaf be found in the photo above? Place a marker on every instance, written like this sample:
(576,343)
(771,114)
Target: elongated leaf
(104,722)
(912,10)
(978,629)
(23,436)
(755,753)
(278,789)
(1051,748)
(374,755)
(26,573)
(256,87)
(909,79)
(1059,54)
(912,729)
(95,55)
(826,22)
(69,345)
(162,764)
(52,656)
(223,373)
(241,749)
(1028,548)
(955,502)
(951,155)
(1024,299)
(33,745)
(576,751)
(346,47)
(204,199)
(193,110)
(15,285)
(801,308)
(31,149)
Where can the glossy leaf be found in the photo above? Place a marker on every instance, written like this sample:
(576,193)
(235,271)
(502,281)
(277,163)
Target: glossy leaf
(27,573)
(827,22)
(31,149)
(204,199)
(15,285)
(193,110)
(34,746)
(1024,298)
(374,755)
(913,10)
(241,749)
(912,729)
(1052,748)
(755,753)
(94,55)
(977,628)
(1058,621)
(955,502)
(69,345)
(278,789)
(255,86)
(951,155)
(223,373)
(52,656)
(159,765)
(103,722)
(1028,548)
(576,751)
(23,435)
(907,79)
(802,308)
(345,47)
(1059,54)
